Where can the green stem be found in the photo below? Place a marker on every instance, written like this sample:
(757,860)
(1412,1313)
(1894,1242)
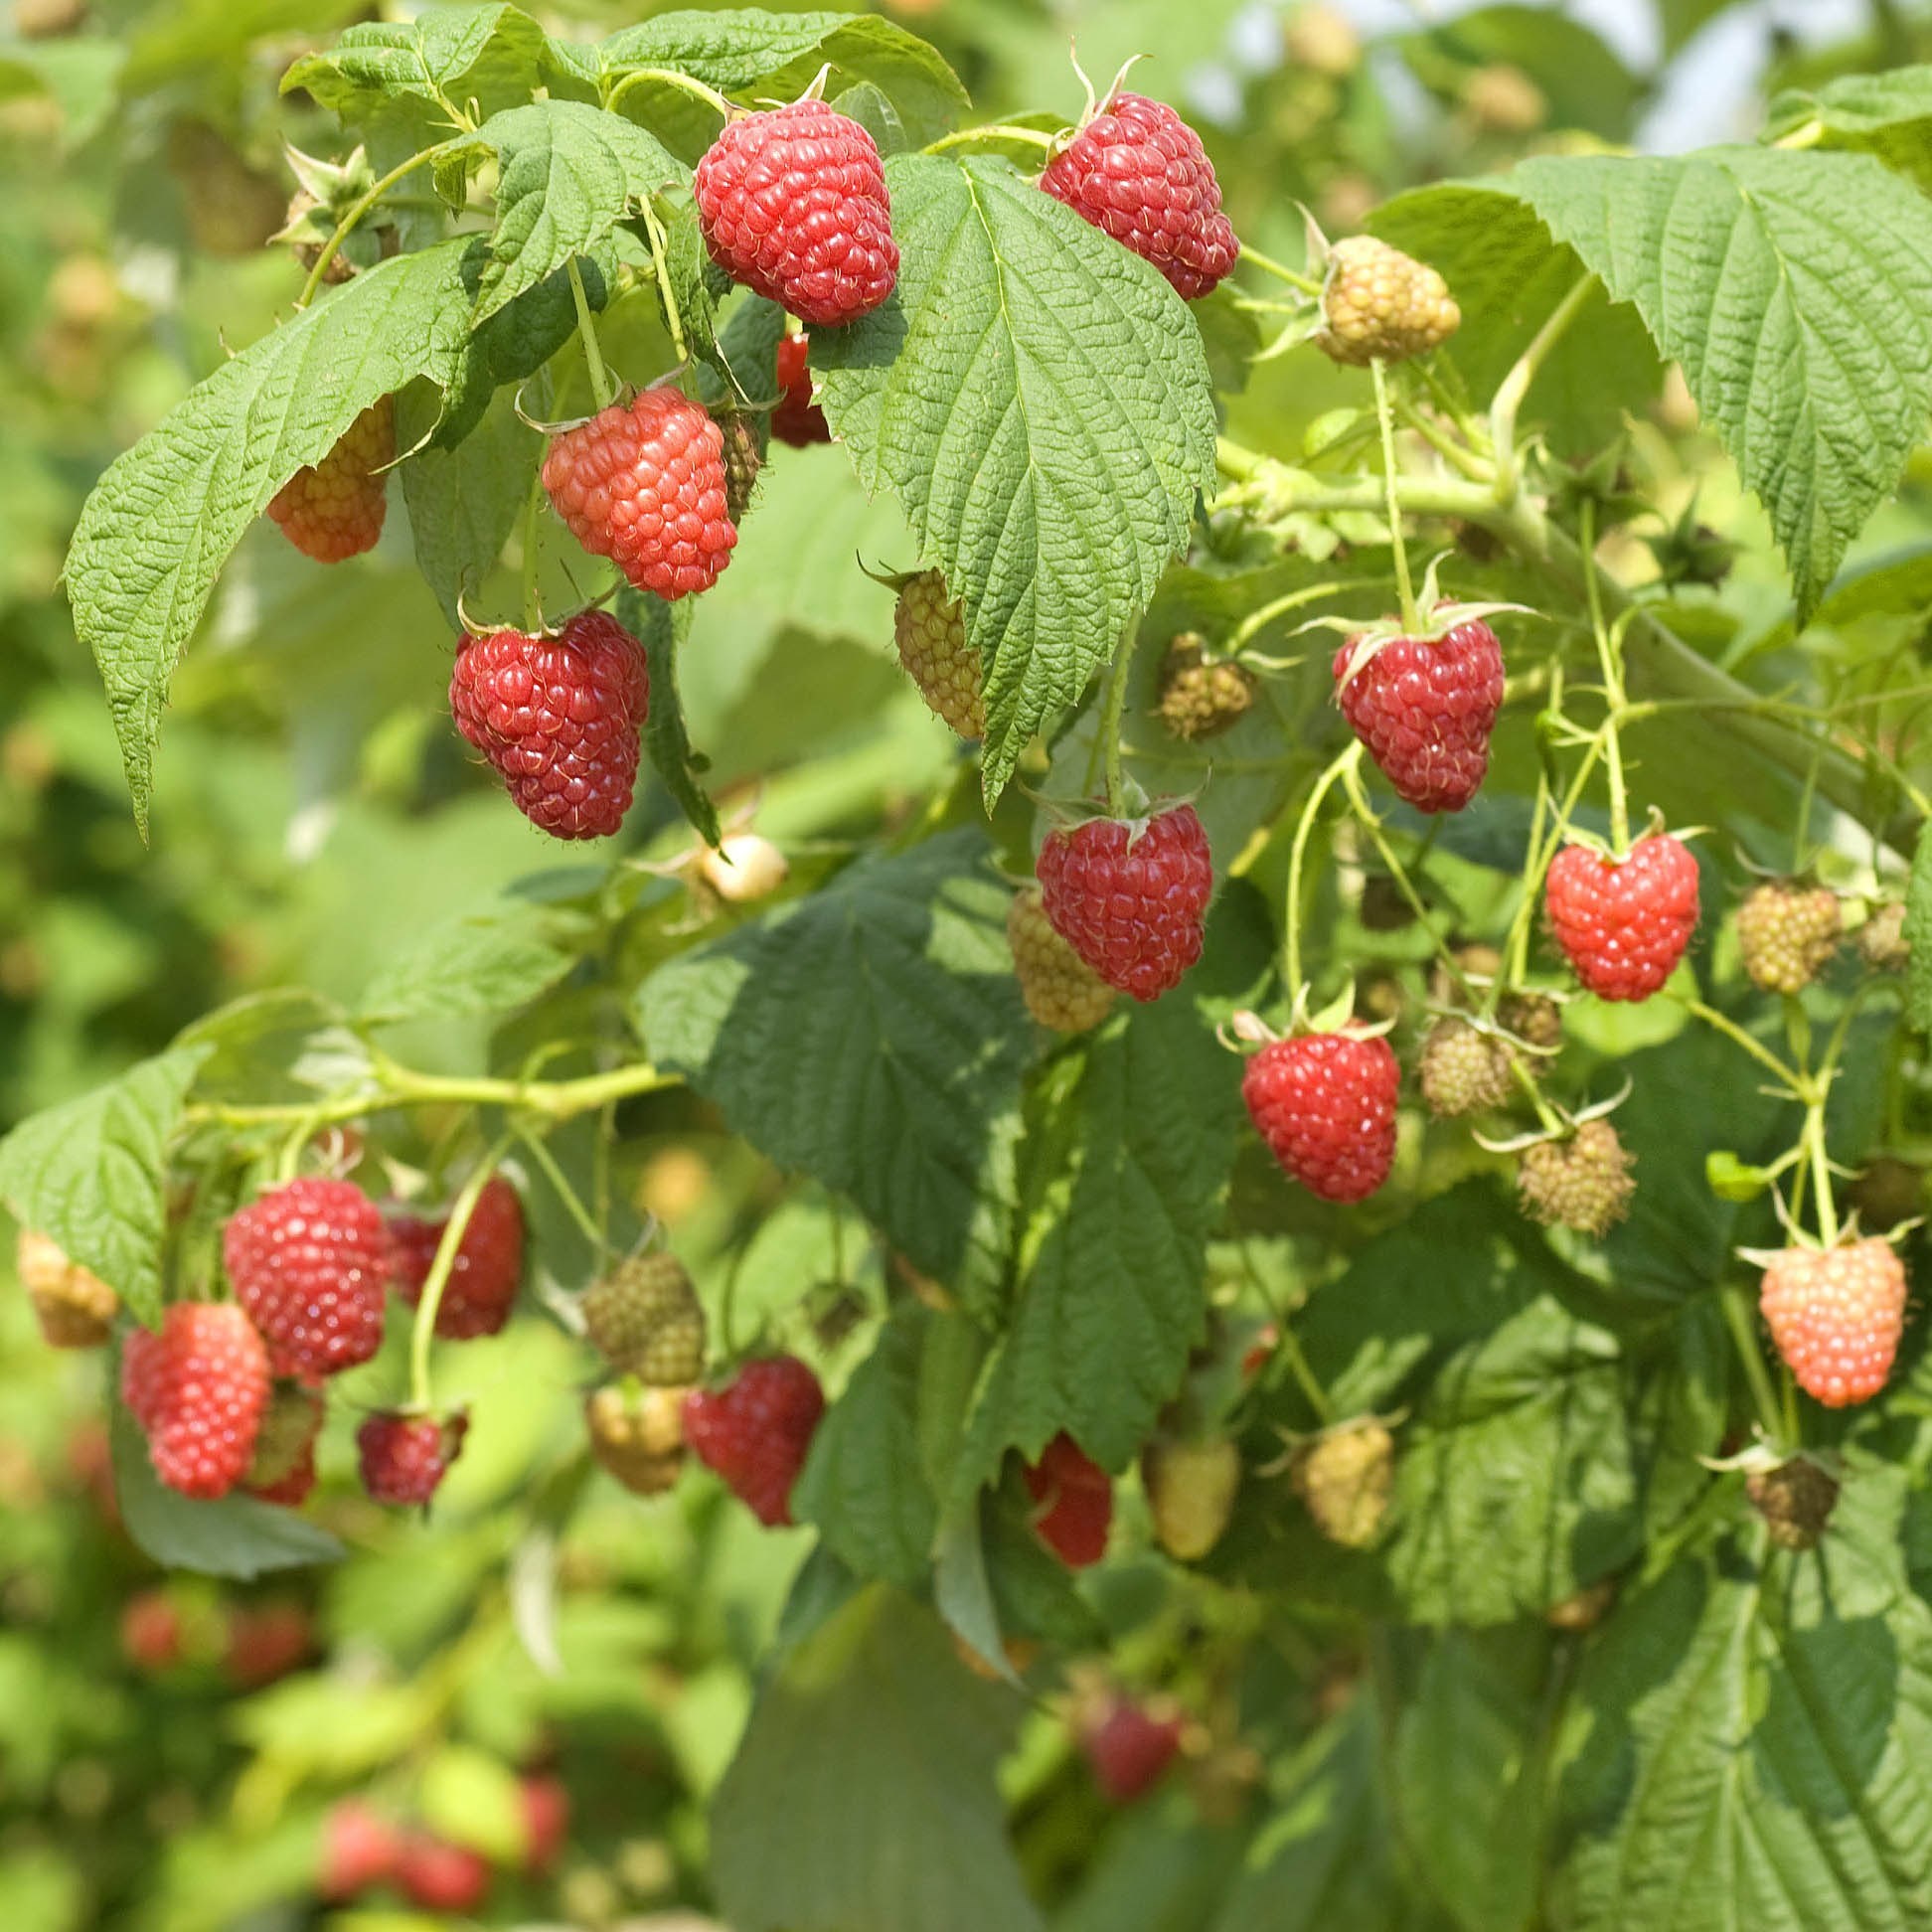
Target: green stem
(533,613)
(1365,813)
(1311,809)
(1794,1084)
(655,228)
(1304,1376)
(557,1100)
(1258,619)
(1404,591)
(670,77)
(1737,1317)
(993,131)
(357,209)
(1514,387)
(1820,1171)
(1117,681)
(424,1328)
(600,387)
(1307,285)
(1610,662)
(540,1153)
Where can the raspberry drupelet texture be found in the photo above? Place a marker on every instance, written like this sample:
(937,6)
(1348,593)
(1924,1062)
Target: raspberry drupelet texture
(929,629)
(1380,304)
(643,484)
(1425,708)
(334,508)
(1138,172)
(404,1457)
(644,1317)
(1345,1478)
(1201,698)
(1623,927)
(1583,1181)
(1463,1069)
(1060,990)
(792,203)
(637,1435)
(1074,1496)
(558,718)
(798,419)
(1788,933)
(198,1386)
(1325,1103)
(756,1431)
(1796,1500)
(1129,898)
(309,1261)
(482,1284)
(1836,1315)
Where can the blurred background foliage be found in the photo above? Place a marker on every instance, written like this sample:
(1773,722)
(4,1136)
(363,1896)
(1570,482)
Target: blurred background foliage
(169,1749)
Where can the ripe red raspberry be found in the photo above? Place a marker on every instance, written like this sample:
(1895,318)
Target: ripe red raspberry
(644,1317)
(1463,1069)
(482,1285)
(1138,172)
(442,1876)
(793,204)
(265,1641)
(1190,1489)
(152,1635)
(197,1387)
(309,1260)
(1128,1746)
(643,484)
(404,1457)
(1425,708)
(1075,1501)
(1624,926)
(359,1849)
(1582,1182)
(1060,990)
(545,1806)
(559,718)
(1787,933)
(335,509)
(756,1431)
(929,629)
(1344,1478)
(1325,1103)
(1836,1315)
(74,1308)
(1129,896)
(798,419)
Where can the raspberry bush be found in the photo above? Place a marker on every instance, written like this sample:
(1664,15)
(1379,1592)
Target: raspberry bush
(1165,1168)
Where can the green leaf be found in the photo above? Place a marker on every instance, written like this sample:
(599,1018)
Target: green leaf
(1584,82)
(436,65)
(1888,116)
(1508,275)
(90,1175)
(516,341)
(160,523)
(910,1830)
(873,1035)
(1918,933)
(237,1536)
(661,627)
(1127,1156)
(864,1486)
(776,56)
(1806,339)
(491,959)
(471,1798)
(1039,400)
(464,502)
(570,174)
(1751,1745)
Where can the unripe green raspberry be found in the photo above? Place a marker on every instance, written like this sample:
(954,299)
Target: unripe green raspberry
(1787,933)
(743,459)
(637,1434)
(1201,699)
(74,1308)
(1344,1477)
(644,1318)
(1582,1182)
(1382,305)
(1190,1489)
(930,631)
(1464,1070)
(1060,990)
(1534,1018)
(1882,940)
